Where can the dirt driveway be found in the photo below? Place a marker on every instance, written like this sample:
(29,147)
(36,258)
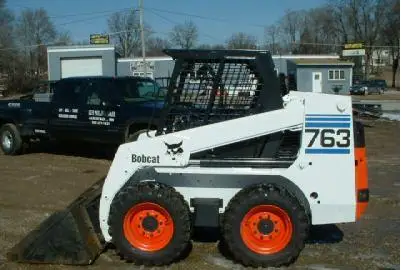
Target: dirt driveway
(36,184)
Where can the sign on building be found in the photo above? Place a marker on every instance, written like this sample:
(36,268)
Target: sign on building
(354,49)
(138,68)
(139,65)
(99,39)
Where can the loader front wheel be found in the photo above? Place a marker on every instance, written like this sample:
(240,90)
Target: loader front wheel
(265,226)
(150,223)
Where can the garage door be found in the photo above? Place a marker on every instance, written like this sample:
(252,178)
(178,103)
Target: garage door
(81,67)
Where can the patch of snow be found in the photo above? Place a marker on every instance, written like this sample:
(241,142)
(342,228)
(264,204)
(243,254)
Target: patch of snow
(391,116)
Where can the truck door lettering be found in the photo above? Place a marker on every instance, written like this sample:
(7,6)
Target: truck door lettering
(101,117)
(68,113)
(14,105)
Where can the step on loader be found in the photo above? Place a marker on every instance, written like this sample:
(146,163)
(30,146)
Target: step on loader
(230,152)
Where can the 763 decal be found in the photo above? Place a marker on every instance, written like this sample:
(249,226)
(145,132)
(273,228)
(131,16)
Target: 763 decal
(328,134)
(330,137)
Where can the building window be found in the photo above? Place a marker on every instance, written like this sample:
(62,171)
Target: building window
(336,74)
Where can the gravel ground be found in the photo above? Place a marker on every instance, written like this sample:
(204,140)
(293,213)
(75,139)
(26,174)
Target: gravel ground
(47,179)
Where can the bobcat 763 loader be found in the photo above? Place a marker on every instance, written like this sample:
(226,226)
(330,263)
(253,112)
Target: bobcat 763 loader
(230,152)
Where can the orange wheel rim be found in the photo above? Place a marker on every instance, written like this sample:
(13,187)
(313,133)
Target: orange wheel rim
(266,229)
(148,227)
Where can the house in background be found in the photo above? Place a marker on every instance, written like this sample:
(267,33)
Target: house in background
(330,76)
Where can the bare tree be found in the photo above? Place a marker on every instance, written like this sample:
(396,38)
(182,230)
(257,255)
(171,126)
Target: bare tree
(204,47)
(63,39)
(291,25)
(361,21)
(391,35)
(318,32)
(156,45)
(81,42)
(241,41)
(184,35)
(35,29)
(273,38)
(6,37)
(218,47)
(125,32)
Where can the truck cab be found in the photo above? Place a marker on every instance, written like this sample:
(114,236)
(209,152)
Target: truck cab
(92,109)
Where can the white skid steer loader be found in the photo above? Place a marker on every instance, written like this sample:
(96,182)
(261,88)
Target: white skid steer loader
(230,152)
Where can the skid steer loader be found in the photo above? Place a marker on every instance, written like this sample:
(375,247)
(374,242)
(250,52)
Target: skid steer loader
(230,152)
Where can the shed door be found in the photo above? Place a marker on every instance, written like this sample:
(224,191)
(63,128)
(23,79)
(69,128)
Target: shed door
(317,82)
(76,67)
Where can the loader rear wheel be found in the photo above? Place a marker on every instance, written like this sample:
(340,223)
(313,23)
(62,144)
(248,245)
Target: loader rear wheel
(265,226)
(150,223)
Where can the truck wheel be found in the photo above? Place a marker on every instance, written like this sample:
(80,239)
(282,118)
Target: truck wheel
(264,226)
(150,223)
(11,142)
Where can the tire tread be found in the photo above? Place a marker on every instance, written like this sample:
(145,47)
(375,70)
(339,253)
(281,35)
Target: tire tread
(272,192)
(18,143)
(134,192)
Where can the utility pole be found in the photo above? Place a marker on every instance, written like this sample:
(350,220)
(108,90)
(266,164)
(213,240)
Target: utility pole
(142,36)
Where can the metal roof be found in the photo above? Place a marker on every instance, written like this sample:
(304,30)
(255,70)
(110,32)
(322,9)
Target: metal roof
(322,62)
(80,48)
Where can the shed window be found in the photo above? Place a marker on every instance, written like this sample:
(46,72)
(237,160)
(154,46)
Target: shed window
(336,74)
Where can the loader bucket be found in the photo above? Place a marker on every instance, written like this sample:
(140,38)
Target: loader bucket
(70,237)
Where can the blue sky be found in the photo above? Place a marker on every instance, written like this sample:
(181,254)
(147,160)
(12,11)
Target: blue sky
(248,16)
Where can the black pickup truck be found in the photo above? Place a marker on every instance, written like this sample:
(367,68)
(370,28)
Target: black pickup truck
(110,110)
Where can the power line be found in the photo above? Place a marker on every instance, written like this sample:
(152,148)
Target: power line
(201,17)
(55,43)
(174,22)
(193,16)
(81,20)
(255,25)
(89,13)
(59,16)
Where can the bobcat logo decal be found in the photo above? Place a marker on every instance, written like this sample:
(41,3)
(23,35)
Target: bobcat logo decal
(174,149)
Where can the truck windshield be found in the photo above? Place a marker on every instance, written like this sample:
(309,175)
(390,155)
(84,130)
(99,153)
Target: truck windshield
(138,90)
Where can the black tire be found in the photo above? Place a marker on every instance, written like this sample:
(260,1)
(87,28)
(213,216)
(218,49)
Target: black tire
(134,136)
(10,140)
(164,196)
(263,194)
